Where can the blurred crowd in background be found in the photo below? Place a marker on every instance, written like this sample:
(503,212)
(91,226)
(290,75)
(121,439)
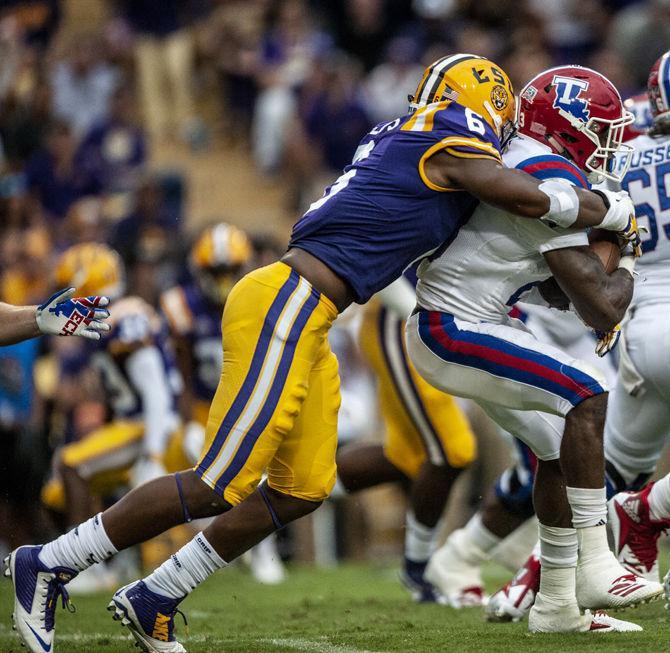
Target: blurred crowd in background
(290,85)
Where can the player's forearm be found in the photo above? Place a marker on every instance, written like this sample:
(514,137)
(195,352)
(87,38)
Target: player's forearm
(17,323)
(605,306)
(521,195)
(592,209)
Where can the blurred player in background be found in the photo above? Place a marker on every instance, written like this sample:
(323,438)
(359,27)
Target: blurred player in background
(276,405)
(220,257)
(427,438)
(140,385)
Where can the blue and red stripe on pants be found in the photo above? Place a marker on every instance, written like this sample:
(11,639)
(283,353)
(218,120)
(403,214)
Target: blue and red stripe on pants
(505,359)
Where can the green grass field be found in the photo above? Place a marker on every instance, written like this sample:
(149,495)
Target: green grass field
(352,609)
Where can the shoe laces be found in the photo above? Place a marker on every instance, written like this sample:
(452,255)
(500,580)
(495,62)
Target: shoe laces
(54,589)
(172,614)
(183,616)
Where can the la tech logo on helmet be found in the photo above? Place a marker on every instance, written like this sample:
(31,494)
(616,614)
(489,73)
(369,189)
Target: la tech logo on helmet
(567,98)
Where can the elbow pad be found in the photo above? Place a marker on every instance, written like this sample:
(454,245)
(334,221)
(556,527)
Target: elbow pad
(563,203)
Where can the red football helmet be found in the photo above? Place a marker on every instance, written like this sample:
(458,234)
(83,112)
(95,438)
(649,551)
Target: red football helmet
(658,87)
(579,114)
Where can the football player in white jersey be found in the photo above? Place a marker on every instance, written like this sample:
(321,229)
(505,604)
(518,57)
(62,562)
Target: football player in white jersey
(463,342)
(638,417)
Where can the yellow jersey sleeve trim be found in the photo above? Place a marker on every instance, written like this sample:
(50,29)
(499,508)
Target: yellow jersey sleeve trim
(447,145)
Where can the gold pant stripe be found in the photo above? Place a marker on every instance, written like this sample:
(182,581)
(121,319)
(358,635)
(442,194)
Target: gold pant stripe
(265,380)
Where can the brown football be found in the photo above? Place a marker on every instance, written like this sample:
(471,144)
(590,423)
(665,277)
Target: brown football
(605,244)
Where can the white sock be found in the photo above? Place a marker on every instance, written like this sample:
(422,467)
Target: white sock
(420,540)
(558,547)
(558,585)
(558,556)
(79,548)
(481,537)
(588,505)
(659,499)
(185,570)
(592,543)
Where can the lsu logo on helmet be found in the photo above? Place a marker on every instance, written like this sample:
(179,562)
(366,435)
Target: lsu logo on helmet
(499,97)
(568,91)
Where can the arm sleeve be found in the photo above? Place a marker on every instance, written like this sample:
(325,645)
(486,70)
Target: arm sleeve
(147,373)
(399,297)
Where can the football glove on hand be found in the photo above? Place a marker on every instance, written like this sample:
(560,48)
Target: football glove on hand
(631,236)
(607,340)
(63,315)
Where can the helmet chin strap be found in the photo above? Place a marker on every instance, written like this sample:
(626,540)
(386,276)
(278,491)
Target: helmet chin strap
(497,120)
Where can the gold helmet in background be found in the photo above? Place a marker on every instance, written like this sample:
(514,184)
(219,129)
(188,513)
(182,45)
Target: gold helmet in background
(93,269)
(218,258)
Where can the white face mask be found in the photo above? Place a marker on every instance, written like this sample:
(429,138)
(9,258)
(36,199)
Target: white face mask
(601,164)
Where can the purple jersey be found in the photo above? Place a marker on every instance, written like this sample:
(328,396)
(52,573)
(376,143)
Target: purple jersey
(192,317)
(383,213)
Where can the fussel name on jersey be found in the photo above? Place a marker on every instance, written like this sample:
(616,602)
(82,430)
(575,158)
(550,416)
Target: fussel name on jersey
(657,154)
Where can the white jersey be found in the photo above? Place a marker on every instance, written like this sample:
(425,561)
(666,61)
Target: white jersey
(497,257)
(648,182)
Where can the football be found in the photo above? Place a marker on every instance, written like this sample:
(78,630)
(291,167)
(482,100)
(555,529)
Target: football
(606,245)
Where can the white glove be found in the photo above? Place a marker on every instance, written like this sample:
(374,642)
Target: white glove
(146,469)
(61,315)
(620,209)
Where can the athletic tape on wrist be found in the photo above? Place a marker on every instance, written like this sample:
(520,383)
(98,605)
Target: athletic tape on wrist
(563,203)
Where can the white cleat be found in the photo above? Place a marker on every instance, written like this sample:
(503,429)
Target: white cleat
(514,601)
(605,584)
(458,581)
(601,622)
(548,617)
(266,565)
(148,616)
(37,589)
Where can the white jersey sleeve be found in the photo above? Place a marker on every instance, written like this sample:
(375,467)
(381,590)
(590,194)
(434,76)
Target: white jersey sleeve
(498,257)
